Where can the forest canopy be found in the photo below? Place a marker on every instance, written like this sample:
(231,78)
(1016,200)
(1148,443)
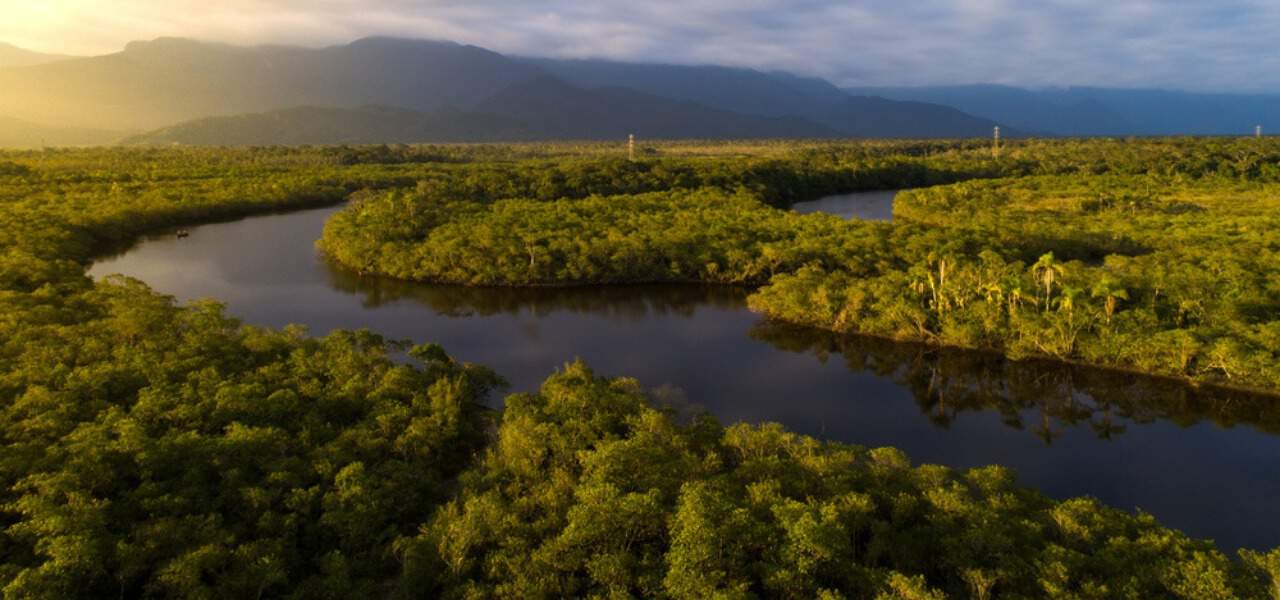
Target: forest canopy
(1154,256)
(157,450)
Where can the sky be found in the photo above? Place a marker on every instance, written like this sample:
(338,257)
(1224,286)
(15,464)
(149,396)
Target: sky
(1206,45)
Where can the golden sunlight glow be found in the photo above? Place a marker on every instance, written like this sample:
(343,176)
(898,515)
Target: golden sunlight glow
(90,27)
(56,26)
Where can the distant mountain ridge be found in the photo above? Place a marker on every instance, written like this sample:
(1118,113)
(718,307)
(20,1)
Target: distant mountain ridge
(1087,111)
(170,80)
(316,125)
(405,90)
(729,88)
(13,56)
(15,133)
(177,85)
(537,110)
(554,108)
(749,91)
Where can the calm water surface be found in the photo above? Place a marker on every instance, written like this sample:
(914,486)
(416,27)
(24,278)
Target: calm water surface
(1203,461)
(868,206)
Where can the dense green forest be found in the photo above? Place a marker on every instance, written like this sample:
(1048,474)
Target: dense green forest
(155,450)
(1175,278)
(1155,256)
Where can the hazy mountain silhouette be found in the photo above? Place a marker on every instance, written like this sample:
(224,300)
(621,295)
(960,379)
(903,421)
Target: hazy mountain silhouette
(13,56)
(547,108)
(178,85)
(170,81)
(1103,111)
(774,94)
(15,133)
(541,109)
(555,109)
(870,116)
(363,125)
(727,88)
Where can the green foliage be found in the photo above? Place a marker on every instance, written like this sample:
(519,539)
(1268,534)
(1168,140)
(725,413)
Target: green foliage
(13,169)
(1267,567)
(158,450)
(1152,256)
(152,450)
(702,235)
(1180,284)
(590,492)
(148,449)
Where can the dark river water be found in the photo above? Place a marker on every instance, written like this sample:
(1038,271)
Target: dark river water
(871,206)
(1204,461)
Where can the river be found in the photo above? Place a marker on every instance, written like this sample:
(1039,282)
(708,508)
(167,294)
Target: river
(1204,461)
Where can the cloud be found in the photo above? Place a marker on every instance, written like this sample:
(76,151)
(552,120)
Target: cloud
(1186,44)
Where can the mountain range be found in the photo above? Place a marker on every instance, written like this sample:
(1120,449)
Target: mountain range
(13,56)
(384,90)
(173,90)
(1090,111)
(16,133)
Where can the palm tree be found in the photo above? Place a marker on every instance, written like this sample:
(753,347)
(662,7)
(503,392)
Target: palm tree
(980,582)
(1110,291)
(1046,272)
(1016,297)
(1068,299)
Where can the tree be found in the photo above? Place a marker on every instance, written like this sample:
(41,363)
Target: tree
(1266,566)
(1110,290)
(1046,271)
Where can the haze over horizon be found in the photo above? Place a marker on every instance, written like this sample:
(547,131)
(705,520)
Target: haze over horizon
(1168,44)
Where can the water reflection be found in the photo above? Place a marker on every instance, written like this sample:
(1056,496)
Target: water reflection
(1205,461)
(1039,397)
(1043,398)
(868,206)
(634,302)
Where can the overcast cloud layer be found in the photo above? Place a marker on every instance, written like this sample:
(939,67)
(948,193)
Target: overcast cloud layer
(1226,45)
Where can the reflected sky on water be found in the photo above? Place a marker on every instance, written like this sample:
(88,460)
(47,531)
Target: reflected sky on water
(1204,461)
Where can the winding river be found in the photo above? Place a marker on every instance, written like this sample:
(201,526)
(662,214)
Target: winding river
(1204,461)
